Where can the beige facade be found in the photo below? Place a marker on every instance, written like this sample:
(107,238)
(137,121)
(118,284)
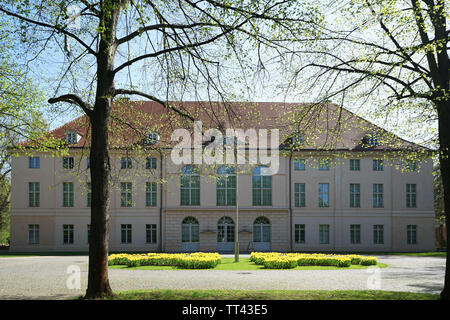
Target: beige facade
(286,227)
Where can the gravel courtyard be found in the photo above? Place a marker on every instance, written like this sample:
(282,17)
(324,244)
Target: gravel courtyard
(47,277)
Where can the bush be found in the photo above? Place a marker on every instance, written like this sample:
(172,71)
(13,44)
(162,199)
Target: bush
(368,261)
(274,260)
(196,260)
(280,263)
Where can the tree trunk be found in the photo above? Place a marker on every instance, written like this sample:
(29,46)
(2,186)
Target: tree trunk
(98,282)
(444,160)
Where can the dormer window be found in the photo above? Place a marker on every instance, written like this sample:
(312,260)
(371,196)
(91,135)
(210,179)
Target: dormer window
(71,137)
(298,139)
(152,138)
(371,140)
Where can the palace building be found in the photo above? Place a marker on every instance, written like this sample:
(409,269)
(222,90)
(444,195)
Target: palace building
(341,184)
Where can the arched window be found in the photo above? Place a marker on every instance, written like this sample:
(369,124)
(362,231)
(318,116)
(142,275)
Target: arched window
(225,230)
(152,137)
(189,230)
(226,186)
(261,230)
(262,186)
(190,186)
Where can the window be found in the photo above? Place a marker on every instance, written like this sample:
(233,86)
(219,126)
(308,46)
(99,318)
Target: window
(324,233)
(299,194)
(68,194)
(125,163)
(371,140)
(299,233)
(324,195)
(33,194)
(125,233)
(68,233)
(88,163)
(299,164)
(324,164)
(411,166)
(34,162)
(150,163)
(152,138)
(88,233)
(298,139)
(150,194)
(226,186)
(126,198)
(190,230)
(262,187)
(190,186)
(378,195)
(354,195)
(67,162)
(411,234)
(261,230)
(89,194)
(150,233)
(354,164)
(378,234)
(410,195)
(71,137)
(355,233)
(225,230)
(377,165)
(33,233)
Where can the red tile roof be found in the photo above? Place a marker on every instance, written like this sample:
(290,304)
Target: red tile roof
(325,126)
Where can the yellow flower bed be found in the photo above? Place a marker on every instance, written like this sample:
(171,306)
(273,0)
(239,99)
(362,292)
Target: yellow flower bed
(276,260)
(197,260)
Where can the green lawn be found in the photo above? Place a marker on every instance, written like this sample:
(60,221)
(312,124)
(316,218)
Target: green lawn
(245,264)
(271,295)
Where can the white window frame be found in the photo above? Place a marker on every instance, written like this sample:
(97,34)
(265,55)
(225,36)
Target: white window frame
(378,234)
(71,137)
(126,229)
(378,195)
(34,162)
(355,234)
(33,234)
(355,195)
(324,233)
(69,230)
(411,195)
(299,165)
(34,194)
(126,194)
(324,204)
(152,230)
(411,234)
(68,194)
(353,166)
(300,233)
(68,163)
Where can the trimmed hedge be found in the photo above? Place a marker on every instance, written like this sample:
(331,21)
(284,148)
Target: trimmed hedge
(275,260)
(196,260)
